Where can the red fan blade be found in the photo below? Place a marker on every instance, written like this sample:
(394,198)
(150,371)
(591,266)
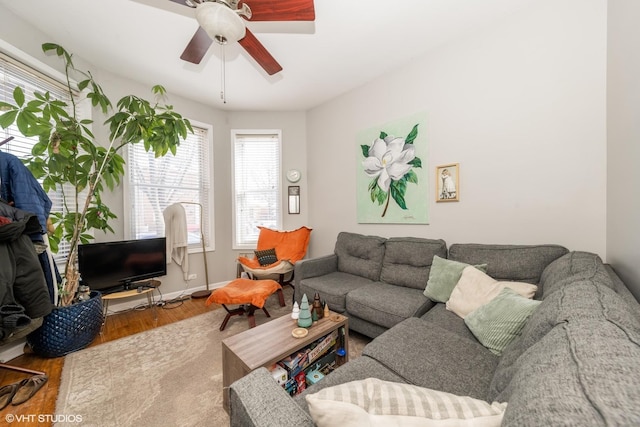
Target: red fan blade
(281,10)
(251,44)
(197,47)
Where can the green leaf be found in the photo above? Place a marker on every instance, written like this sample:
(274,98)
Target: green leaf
(158,90)
(365,150)
(416,162)
(8,118)
(46,47)
(398,189)
(39,148)
(23,123)
(383,135)
(377,195)
(83,84)
(54,243)
(412,135)
(18,96)
(411,177)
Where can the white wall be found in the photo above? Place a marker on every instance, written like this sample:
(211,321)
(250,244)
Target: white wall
(521,107)
(623,104)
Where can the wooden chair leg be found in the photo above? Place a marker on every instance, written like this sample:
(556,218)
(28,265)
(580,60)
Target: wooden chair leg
(288,283)
(236,311)
(250,311)
(225,321)
(281,297)
(252,317)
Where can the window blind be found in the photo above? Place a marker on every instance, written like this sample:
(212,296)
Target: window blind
(155,183)
(256,172)
(16,74)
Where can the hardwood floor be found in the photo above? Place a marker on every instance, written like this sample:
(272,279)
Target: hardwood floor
(40,409)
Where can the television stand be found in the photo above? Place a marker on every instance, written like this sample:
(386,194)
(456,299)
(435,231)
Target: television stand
(136,288)
(144,284)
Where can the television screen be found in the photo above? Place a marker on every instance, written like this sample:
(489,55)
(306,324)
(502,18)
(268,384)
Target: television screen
(113,266)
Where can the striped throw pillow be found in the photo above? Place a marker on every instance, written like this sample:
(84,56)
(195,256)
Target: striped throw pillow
(501,320)
(374,402)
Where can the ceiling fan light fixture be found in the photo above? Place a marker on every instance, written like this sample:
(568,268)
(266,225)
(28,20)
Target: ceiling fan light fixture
(220,22)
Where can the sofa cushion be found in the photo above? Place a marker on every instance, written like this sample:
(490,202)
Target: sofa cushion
(332,287)
(583,299)
(521,263)
(476,288)
(572,267)
(383,304)
(440,316)
(407,260)
(360,255)
(582,373)
(429,356)
(374,402)
(501,320)
(444,276)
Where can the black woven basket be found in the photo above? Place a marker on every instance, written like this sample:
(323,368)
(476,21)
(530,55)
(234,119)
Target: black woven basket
(68,329)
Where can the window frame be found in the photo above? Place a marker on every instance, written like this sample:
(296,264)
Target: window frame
(208,210)
(279,220)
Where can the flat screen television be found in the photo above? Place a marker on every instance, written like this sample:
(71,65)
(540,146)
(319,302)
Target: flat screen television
(115,266)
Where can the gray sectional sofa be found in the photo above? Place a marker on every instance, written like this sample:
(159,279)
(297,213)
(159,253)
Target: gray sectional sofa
(575,362)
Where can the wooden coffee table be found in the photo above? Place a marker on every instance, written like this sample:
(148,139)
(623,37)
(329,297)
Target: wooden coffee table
(269,343)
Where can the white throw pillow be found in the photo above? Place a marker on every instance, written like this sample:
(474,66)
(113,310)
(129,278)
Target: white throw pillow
(373,402)
(475,289)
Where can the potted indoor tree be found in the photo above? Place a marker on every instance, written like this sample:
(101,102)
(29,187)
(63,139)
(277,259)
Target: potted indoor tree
(70,159)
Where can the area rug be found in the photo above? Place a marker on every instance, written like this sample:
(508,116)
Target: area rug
(168,376)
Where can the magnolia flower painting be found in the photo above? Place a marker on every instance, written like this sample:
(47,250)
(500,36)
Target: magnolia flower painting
(391,167)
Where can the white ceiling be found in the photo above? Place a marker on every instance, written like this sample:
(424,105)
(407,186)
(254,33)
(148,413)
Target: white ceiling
(350,43)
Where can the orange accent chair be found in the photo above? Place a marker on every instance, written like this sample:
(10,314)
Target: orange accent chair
(290,247)
(252,293)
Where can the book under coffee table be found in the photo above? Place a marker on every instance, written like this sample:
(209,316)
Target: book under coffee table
(271,342)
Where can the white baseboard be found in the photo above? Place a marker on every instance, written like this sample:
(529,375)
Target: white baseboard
(130,303)
(13,350)
(16,349)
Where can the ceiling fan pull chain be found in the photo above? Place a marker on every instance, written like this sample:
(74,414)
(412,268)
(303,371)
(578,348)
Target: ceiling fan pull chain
(222,75)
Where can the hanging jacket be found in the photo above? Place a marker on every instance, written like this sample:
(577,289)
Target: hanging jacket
(18,185)
(23,289)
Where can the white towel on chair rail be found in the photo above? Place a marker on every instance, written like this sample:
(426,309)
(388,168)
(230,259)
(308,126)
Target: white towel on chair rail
(175,229)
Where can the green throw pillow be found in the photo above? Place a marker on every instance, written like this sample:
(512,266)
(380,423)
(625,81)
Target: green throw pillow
(443,277)
(501,320)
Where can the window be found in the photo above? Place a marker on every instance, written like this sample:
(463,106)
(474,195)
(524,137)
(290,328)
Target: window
(12,74)
(256,184)
(155,183)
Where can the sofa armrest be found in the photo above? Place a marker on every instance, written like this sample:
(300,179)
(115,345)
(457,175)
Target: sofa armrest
(314,267)
(258,400)
(621,288)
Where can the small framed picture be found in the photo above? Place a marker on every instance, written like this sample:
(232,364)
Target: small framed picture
(294,199)
(448,183)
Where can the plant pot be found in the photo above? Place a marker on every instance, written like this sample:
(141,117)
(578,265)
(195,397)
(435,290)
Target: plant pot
(68,329)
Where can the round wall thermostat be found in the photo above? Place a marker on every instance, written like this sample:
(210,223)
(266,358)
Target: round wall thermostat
(293,175)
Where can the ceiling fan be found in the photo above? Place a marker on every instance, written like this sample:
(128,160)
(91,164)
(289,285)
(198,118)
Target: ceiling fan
(220,20)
